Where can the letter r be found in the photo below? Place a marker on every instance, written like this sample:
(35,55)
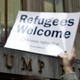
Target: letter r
(23,18)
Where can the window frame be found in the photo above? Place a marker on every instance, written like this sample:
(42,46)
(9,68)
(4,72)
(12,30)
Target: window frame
(22,8)
(6,20)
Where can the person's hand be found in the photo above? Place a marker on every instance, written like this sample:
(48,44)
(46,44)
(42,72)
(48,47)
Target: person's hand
(68,61)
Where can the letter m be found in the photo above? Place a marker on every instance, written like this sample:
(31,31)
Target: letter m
(27,65)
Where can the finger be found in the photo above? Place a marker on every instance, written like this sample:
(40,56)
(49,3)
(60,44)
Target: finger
(65,54)
(65,57)
(73,53)
(61,55)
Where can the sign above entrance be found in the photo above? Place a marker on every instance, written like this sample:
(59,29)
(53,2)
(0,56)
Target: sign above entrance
(43,32)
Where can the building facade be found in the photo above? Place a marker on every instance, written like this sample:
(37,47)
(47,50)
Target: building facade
(20,65)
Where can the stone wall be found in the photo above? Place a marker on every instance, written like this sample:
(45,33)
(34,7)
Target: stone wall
(31,64)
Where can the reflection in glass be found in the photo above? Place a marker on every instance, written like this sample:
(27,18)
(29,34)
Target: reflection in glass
(53,5)
(1,16)
(13,7)
(59,5)
(48,6)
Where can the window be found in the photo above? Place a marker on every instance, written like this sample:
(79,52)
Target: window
(48,6)
(59,5)
(8,13)
(2,5)
(13,7)
(53,5)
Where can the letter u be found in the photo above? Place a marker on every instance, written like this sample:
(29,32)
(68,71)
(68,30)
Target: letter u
(6,61)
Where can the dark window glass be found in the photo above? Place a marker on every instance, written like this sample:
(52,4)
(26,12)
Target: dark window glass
(53,5)
(2,5)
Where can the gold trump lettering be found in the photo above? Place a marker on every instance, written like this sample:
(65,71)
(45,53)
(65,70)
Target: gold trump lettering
(41,65)
(27,64)
(8,65)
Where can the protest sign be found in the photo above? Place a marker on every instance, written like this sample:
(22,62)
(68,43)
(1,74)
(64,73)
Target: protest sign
(43,32)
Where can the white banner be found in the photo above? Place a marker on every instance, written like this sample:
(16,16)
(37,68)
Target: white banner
(43,32)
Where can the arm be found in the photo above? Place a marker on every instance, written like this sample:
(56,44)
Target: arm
(69,76)
(67,63)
